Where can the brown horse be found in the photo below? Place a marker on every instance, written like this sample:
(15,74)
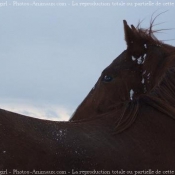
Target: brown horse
(124,126)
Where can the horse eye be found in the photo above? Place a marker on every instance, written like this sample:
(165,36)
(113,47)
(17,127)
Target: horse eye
(107,78)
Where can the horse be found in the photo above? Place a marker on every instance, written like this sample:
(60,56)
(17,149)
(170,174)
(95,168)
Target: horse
(125,125)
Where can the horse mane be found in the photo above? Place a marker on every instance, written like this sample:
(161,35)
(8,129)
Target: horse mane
(148,35)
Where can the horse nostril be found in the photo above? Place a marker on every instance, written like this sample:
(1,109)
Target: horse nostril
(107,78)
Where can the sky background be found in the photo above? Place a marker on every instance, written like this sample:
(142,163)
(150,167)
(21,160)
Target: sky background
(51,57)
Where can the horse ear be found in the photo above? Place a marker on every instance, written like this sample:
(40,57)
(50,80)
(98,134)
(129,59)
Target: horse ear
(130,36)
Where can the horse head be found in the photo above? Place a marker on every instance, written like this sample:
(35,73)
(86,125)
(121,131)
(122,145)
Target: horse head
(135,76)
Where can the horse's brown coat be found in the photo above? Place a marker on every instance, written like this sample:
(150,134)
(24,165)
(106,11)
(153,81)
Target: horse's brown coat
(112,129)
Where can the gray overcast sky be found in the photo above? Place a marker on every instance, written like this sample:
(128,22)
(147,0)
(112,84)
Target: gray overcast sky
(52,56)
